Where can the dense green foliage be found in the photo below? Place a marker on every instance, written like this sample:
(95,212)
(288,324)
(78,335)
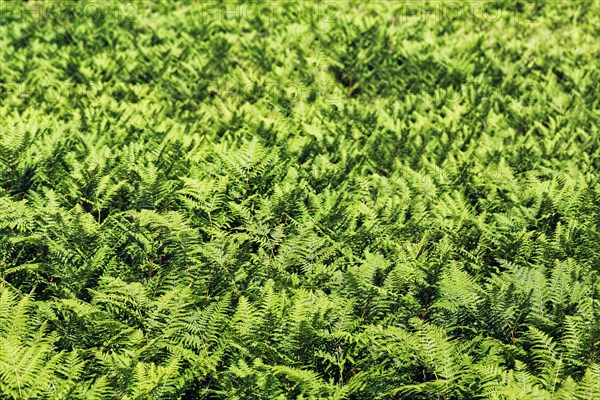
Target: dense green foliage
(336,200)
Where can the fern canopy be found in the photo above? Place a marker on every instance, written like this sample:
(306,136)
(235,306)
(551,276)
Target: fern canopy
(299,200)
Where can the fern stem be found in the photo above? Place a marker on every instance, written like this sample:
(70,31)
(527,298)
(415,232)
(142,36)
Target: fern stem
(18,379)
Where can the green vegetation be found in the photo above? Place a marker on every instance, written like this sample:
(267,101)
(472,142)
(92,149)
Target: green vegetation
(334,200)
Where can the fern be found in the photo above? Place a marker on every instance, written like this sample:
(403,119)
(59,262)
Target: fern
(346,200)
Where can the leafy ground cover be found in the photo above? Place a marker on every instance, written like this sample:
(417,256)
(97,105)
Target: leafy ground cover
(260,200)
